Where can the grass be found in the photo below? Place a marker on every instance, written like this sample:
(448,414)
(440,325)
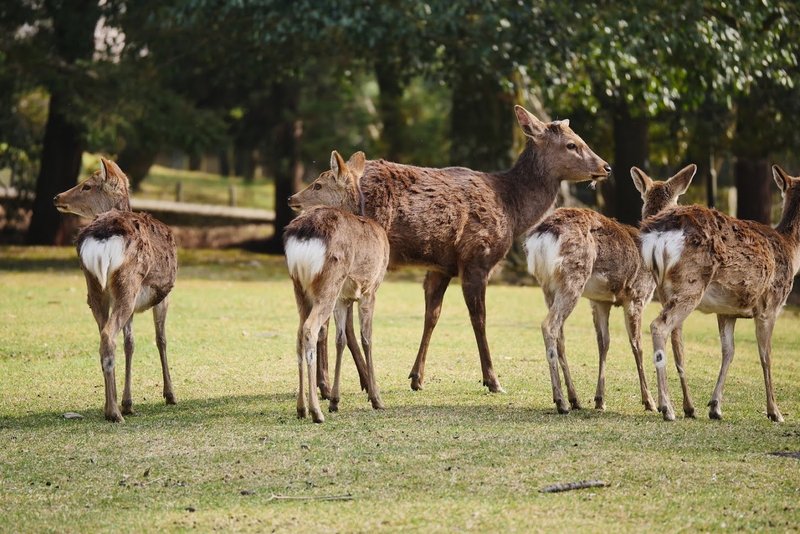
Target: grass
(451,457)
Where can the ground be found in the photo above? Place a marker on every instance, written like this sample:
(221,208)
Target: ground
(450,457)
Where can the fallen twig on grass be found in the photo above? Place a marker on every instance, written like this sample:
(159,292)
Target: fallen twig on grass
(345,497)
(569,486)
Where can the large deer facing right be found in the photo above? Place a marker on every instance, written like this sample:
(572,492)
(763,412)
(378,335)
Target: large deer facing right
(703,259)
(578,252)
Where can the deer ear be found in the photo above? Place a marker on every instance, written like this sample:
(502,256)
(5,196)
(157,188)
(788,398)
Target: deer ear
(356,164)
(530,125)
(565,122)
(104,171)
(641,181)
(781,178)
(681,181)
(338,166)
(111,174)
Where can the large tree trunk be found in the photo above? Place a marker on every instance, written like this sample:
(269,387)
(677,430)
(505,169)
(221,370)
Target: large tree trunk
(284,155)
(630,148)
(753,189)
(390,107)
(60,167)
(135,162)
(482,122)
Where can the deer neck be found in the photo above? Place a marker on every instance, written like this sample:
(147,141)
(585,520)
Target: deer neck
(527,189)
(789,225)
(123,204)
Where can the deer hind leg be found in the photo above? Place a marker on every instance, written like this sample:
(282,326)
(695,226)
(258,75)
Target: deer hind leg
(160,320)
(355,350)
(320,312)
(726,326)
(322,362)
(572,394)
(677,351)
(303,309)
(764,327)
(340,314)
(560,305)
(120,315)
(676,308)
(435,286)
(600,312)
(473,285)
(366,307)
(127,400)
(633,324)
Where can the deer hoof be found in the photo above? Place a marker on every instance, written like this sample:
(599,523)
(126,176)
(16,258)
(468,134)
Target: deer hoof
(377,404)
(494,387)
(575,404)
(689,412)
(416,382)
(169,397)
(302,413)
(775,417)
(324,391)
(317,417)
(333,406)
(599,403)
(115,417)
(667,412)
(127,407)
(649,405)
(562,407)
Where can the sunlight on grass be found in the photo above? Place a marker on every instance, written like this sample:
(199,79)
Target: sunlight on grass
(450,457)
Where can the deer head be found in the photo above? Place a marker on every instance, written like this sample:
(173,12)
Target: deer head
(562,152)
(658,196)
(104,190)
(338,187)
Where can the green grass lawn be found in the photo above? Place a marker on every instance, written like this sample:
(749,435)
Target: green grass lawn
(451,457)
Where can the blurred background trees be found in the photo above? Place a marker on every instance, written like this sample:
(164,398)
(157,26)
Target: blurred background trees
(266,88)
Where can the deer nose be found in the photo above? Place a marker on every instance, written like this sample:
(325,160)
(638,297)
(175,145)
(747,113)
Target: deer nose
(607,168)
(55,199)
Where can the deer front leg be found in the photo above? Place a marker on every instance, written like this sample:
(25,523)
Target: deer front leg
(340,316)
(600,313)
(159,320)
(127,400)
(764,327)
(633,324)
(473,285)
(435,286)
(366,307)
(355,350)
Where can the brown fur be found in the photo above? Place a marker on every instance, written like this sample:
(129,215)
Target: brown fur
(143,280)
(356,256)
(731,267)
(598,259)
(460,222)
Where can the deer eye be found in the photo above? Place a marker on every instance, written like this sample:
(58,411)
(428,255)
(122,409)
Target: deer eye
(317,187)
(86,187)
(571,146)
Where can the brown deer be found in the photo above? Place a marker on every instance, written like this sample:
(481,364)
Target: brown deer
(578,252)
(460,222)
(129,261)
(703,259)
(335,258)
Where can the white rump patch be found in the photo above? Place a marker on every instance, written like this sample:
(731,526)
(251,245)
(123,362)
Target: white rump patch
(542,250)
(305,258)
(661,251)
(102,257)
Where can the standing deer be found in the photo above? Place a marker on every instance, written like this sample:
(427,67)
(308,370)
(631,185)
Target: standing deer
(460,222)
(703,259)
(578,252)
(129,261)
(335,258)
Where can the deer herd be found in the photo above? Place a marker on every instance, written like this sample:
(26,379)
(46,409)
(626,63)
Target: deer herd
(364,216)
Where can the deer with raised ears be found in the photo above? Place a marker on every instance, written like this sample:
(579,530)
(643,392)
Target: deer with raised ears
(460,222)
(335,258)
(129,261)
(578,252)
(703,259)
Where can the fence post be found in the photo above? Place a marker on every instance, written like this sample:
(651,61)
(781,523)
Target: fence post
(179,192)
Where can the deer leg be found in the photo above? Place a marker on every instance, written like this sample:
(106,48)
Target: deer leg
(340,314)
(764,327)
(676,308)
(322,361)
(355,350)
(726,325)
(633,324)
(127,401)
(120,315)
(677,351)
(435,286)
(320,312)
(160,320)
(572,395)
(561,305)
(303,309)
(473,285)
(366,307)
(600,312)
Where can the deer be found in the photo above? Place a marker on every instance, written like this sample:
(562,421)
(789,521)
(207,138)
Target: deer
(458,222)
(703,259)
(335,258)
(578,252)
(130,263)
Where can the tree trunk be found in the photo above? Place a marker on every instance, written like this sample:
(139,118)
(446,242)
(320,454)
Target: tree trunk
(135,162)
(60,166)
(224,162)
(243,162)
(390,107)
(753,189)
(630,148)
(195,161)
(482,122)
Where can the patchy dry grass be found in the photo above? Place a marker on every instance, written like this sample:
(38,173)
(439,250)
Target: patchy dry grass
(451,457)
